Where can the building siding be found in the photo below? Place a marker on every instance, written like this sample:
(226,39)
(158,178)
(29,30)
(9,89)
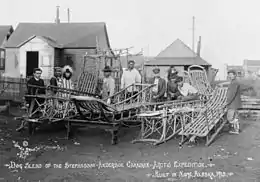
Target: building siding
(77,59)
(58,58)
(12,64)
(46,56)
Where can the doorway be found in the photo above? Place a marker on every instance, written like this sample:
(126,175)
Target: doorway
(32,61)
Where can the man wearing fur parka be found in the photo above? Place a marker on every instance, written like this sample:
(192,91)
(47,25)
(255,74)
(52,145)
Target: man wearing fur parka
(66,82)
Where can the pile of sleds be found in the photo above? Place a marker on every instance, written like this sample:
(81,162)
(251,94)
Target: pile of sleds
(202,118)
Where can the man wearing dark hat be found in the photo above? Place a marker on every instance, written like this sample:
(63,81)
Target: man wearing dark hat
(159,89)
(172,87)
(233,102)
(56,79)
(108,89)
(172,73)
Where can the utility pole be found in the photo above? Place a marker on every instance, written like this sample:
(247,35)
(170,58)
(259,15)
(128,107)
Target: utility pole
(193,33)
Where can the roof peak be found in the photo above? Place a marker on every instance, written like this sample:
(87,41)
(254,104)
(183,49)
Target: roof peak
(177,49)
(74,35)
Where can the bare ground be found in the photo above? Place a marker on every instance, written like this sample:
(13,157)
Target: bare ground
(229,158)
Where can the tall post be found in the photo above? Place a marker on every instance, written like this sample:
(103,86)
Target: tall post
(193,33)
(68,15)
(57,20)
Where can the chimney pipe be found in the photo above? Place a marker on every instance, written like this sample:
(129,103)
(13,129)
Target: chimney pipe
(57,15)
(68,15)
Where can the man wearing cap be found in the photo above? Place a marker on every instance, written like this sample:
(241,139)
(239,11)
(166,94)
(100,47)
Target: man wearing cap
(56,79)
(187,92)
(172,72)
(233,102)
(159,89)
(108,88)
(130,76)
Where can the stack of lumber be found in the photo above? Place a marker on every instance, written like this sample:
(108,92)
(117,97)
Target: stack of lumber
(250,103)
(250,107)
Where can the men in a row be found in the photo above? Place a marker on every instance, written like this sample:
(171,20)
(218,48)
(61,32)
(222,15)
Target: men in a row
(61,78)
(176,88)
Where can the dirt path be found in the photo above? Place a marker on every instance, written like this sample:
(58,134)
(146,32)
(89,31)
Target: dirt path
(229,158)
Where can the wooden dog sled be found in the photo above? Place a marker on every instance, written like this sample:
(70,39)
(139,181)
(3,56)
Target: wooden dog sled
(211,119)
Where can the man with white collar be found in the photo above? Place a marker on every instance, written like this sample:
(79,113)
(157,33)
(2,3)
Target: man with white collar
(187,91)
(36,84)
(130,76)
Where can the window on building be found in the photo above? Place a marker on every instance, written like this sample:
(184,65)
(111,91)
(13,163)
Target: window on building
(68,59)
(2,59)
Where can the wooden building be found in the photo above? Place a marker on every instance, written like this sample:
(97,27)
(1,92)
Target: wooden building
(177,54)
(251,68)
(47,45)
(5,33)
(239,70)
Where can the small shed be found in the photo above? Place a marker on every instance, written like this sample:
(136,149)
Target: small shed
(177,54)
(47,45)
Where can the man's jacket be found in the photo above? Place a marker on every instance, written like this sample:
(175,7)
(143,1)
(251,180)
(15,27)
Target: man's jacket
(161,87)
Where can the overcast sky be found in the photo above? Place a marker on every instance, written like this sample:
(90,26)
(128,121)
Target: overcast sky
(230,29)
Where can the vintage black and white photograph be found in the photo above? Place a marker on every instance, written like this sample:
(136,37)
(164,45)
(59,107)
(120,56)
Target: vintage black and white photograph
(129,91)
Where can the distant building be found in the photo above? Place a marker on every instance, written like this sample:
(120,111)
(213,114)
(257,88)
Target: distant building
(239,70)
(251,67)
(177,54)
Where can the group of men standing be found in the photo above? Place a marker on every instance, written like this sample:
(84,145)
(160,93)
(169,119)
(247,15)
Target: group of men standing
(61,79)
(174,89)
